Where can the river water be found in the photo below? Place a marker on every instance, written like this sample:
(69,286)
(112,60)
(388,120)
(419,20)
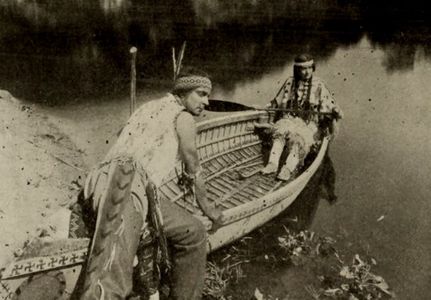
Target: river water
(72,59)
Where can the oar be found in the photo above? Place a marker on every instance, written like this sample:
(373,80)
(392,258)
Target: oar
(228,106)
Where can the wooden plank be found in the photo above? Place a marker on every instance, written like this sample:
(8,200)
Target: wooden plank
(270,180)
(225,159)
(256,164)
(204,142)
(214,198)
(212,147)
(266,185)
(187,207)
(221,188)
(246,194)
(215,188)
(211,167)
(221,192)
(251,188)
(217,147)
(237,155)
(232,157)
(242,198)
(229,129)
(237,139)
(243,153)
(230,179)
(203,135)
(172,187)
(250,172)
(186,199)
(218,204)
(234,190)
(234,202)
(168,192)
(231,133)
(220,162)
(199,140)
(248,151)
(254,190)
(231,150)
(223,198)
(232,166)
(231,118)
(222,183)
(210,151)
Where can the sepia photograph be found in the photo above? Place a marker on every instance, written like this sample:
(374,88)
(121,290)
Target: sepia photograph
(215,150)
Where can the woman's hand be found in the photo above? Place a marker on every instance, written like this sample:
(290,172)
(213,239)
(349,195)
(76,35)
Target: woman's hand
(333,129)
(337,113)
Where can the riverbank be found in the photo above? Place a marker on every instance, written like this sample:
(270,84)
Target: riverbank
(41,169)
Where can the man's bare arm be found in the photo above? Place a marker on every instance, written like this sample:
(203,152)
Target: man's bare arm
(186,130)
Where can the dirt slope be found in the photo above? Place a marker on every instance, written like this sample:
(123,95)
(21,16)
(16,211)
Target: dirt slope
(41,170)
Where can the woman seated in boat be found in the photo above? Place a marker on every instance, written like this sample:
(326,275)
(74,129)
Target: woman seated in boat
(312,112)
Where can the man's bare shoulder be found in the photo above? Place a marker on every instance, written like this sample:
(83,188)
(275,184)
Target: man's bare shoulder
(185,122)
(185,117)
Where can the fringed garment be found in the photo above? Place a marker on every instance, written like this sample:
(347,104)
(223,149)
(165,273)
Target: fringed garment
(302,128)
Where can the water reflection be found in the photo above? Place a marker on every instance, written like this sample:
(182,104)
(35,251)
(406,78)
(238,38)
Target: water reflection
(112,6)
(63,50)
(300,214)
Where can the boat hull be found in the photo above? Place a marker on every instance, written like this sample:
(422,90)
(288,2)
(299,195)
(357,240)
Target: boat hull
(265,209)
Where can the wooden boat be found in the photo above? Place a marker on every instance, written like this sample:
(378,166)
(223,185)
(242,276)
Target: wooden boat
(232,153)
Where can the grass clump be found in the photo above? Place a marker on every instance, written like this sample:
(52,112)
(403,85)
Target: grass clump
(218,277)
(339,280)
(354,282)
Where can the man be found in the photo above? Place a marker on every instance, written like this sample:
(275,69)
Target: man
(307,96)
(156,136)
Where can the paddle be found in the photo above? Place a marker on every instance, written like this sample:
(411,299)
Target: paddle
(228,106)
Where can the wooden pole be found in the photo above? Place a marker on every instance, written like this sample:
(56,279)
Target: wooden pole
(133,51)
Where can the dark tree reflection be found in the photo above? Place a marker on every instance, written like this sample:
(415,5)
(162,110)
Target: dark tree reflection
(56,50)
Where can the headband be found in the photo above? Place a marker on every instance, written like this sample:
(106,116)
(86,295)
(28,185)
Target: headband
(309,63)
(192,82)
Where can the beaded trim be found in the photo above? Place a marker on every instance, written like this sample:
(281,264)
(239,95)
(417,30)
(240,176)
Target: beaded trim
(192,82)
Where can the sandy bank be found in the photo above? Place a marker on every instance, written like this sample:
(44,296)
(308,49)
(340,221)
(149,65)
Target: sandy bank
(41,172)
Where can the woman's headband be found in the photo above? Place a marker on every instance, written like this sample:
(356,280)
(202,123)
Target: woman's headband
(192,82)
(309,63)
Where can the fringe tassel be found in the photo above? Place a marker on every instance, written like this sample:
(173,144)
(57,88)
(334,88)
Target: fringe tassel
(102,290)
(120,229)
(108,264)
